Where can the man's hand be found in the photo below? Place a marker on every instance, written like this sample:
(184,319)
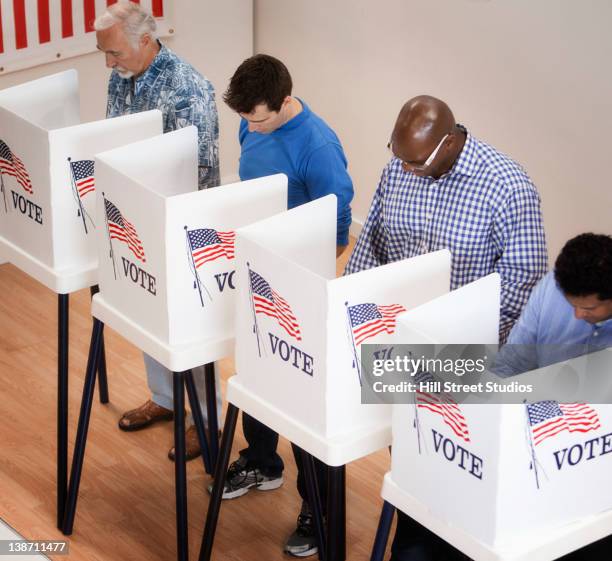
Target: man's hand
(340,250)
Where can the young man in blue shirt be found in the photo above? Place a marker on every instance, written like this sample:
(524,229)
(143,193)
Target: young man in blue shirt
(280,134)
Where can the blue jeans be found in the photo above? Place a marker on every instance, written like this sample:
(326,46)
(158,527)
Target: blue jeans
(159,379)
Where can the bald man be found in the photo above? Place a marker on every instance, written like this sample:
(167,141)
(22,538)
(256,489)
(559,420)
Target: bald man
(443,188)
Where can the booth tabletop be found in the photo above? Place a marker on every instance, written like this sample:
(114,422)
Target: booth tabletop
(65,281)
(177,358)
(546,545)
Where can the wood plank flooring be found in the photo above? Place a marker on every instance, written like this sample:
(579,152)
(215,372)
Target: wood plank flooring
(126,502)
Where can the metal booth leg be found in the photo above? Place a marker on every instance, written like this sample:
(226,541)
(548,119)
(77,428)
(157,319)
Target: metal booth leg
(336,514)
(83,426)
(211,407)
(212,516)
(314,500)
(382,532)
(198,420)
(180,469)
(102,378)
(62,405)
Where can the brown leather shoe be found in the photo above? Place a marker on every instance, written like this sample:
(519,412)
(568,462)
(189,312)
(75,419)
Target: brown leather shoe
(192,445)
(145,415)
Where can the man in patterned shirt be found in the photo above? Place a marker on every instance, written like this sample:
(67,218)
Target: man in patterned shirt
(443,188)
(147,75)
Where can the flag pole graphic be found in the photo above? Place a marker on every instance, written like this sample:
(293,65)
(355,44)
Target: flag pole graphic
(3,191)
(534,462)
(75,192)
(110,241)
(356,361)
(255,326)
(197,283)
(417,422)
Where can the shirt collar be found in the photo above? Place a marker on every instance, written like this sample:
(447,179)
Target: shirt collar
(156,66)
(465,164)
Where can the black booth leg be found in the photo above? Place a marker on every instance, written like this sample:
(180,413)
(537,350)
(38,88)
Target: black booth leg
(102,378)
(314,500)
(211,407)
(214,505)
(336,514)
(382,532)
(83,426)
(62,405)
(180,468)
(198,420)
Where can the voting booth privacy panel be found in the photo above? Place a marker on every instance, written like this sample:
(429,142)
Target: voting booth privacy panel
(503,473)
(299,329)
(166,250)
(47,172)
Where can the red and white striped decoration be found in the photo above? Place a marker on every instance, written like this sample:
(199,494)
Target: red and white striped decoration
(34,32)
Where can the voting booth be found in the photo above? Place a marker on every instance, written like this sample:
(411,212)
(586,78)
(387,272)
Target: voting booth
(299,332)
(167,251)
(498,481)
(299,329)
(47,203)
(167,258)
(48,179)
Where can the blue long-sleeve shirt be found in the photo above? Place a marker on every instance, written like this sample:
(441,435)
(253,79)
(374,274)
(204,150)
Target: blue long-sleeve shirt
(309,153)
(548,332)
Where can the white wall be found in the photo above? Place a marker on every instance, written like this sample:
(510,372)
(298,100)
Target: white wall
(213,35)
(530,77)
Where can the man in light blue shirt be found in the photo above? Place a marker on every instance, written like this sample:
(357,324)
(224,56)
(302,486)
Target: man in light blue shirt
(569,313)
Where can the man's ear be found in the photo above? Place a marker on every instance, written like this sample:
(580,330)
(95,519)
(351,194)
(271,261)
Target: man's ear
(145,40)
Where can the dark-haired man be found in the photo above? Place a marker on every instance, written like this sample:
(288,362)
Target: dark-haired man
(569,313)
(280,134)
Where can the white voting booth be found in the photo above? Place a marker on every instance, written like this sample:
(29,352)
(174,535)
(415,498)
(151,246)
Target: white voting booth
(47,198)
(166,251)
(508,484)
(166,271)
(47,202)
(297,352)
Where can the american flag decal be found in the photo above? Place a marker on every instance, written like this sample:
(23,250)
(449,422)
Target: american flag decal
(443,405)
(10,164)
(369,319)
(549,418)
(119,228)
(83,175)
(207,245)
(270,303)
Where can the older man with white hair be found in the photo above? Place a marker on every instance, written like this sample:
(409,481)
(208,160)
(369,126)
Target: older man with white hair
(147,75)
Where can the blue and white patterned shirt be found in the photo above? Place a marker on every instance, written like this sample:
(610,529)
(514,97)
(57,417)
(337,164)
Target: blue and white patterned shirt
(183,96)
(485,210)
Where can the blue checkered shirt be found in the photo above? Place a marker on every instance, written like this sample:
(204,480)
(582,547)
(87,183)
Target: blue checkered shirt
(183,96)
(485,210)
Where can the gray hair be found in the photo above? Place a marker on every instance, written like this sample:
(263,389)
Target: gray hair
(135,21)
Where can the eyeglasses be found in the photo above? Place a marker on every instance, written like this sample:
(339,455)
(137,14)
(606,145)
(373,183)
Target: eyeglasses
(408,166)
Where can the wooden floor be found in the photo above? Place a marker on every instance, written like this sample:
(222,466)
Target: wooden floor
(126,503)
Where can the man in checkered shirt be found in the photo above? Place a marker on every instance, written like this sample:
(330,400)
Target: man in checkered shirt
(443,188)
